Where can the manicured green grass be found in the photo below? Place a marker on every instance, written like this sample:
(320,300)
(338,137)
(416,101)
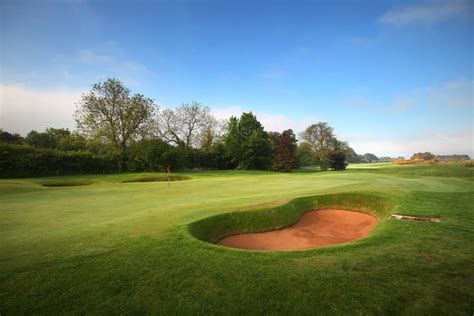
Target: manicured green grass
(113,247)
(160,178)
(66,183)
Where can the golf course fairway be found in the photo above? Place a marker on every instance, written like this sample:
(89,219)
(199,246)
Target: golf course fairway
(119,246)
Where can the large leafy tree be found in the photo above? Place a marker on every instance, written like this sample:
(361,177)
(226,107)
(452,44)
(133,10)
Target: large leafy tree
(329,151)
(305,155)
(284,151)
(109,112)
(321,137)
(247,144)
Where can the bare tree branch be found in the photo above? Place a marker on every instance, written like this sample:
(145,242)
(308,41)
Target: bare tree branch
(186,125)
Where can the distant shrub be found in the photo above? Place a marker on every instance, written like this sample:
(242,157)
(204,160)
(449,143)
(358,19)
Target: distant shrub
(415,161)
(423,156)
(467,163)
(453,157)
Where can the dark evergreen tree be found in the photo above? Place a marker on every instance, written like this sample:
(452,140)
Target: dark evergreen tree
(338,159)
(284,151)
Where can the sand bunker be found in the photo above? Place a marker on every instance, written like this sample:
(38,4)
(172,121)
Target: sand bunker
(315,229)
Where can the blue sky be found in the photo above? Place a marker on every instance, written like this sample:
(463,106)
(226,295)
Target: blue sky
(391,77)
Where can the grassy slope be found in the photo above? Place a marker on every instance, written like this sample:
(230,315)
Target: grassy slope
(272,217)
(110,247)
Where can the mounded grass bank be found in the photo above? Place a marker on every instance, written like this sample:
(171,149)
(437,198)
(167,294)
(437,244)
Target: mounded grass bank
(214,228)
(157,179)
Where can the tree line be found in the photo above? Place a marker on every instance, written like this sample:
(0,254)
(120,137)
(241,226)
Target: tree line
(119,131)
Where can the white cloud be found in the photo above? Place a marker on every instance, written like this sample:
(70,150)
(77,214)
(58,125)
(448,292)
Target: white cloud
(426,13)
(110,65)
(225,113)
(23,109)
(111,62)
(271,122)
(454,94)
(456,142)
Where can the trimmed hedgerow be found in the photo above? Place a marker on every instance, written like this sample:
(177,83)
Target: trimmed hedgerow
(18,161)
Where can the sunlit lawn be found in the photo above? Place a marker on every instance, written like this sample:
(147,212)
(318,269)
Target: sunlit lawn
(112,247)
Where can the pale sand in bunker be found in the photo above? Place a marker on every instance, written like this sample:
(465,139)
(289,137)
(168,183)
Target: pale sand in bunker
(315,229)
